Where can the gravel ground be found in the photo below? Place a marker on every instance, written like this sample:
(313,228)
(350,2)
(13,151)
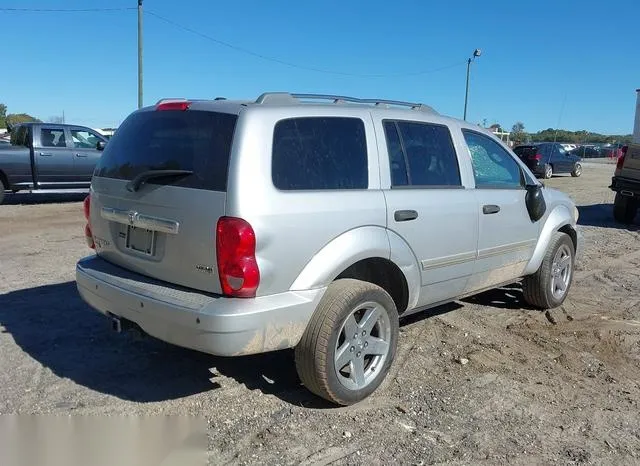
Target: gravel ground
(482,381)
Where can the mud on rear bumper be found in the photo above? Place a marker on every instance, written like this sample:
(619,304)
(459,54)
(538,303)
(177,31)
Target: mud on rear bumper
(204,322)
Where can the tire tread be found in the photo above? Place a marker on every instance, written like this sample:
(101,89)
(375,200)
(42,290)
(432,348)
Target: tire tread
(535,287)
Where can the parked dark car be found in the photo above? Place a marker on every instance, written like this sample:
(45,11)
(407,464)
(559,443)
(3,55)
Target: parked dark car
(546,158)
(612,151)
(589,151)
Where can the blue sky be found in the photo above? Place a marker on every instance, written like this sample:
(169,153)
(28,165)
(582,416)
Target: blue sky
(546,63)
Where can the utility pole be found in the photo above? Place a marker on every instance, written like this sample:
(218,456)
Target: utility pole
(476,53)
(139,53)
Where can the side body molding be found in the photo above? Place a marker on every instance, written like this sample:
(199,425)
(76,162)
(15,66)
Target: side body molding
(557,218)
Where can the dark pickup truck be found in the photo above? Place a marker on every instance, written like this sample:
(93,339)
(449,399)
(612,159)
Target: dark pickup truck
(626,184)
(43,156)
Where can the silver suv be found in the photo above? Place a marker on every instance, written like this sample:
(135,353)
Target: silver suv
(312,222)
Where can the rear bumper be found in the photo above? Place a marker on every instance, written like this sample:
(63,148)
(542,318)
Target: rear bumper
(626,186)
(200,321)
(536,167)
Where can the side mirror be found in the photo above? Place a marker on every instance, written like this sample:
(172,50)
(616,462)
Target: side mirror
(101,145)
(534,199)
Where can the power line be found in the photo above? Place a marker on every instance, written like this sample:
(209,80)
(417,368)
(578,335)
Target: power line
(64,10)
(295,65)
(235,47)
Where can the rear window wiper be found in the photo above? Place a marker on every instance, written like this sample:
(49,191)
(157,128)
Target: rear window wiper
(135,183)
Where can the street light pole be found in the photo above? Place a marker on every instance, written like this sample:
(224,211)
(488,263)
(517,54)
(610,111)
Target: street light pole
(476,53)
(139,53)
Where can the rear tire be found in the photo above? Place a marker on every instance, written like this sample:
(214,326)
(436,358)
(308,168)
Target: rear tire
(3,188)
(624,209)
(548,171)
(577,170)
(549,286)
(355,326)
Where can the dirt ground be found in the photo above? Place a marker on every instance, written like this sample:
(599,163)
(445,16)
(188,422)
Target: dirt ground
(535,388)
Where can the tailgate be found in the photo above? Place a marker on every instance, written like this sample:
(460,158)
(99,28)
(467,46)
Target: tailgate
(164,227)
(631,167)
(165,232)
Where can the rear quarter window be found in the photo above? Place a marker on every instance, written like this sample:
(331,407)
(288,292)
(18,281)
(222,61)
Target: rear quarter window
(319,153)
(198,141)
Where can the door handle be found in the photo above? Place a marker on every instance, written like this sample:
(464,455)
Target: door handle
(46,154)
(490,209)
(405,215)
(81,155)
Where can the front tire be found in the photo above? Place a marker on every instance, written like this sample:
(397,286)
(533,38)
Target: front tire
(624,209)
(548,171)
(350,342)
(549,286)
(577,170)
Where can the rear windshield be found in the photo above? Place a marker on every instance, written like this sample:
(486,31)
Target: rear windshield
(525,151)
(172,140)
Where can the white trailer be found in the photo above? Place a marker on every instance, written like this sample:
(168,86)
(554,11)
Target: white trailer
(626,180)
(636,126)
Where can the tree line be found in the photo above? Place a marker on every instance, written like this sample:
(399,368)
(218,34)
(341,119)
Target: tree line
(9,119)
(519,135)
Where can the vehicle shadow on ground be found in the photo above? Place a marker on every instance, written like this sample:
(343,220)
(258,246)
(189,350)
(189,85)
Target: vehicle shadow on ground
(36,199)
(506,297)
(601,215)
(56,328)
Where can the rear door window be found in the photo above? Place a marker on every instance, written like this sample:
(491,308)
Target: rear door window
(319,153)
(52,137)
(193,140)
(421,154)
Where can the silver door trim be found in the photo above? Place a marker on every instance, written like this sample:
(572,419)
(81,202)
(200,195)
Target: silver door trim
(135,219)
(506,248)
(455,259)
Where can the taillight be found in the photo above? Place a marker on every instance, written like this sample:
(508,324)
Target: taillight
(535,157)
(236,251)
(86,206)
(620,163)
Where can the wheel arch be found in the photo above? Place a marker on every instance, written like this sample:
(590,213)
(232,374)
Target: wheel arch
(559,219)
(372,254)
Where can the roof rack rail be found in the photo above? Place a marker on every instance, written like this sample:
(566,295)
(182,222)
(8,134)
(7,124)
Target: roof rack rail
(276,98)
(287,98)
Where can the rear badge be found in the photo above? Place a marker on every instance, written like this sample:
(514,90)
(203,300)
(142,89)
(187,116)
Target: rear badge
(204,268)
(101,243)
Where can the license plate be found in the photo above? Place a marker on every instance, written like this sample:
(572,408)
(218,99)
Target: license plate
(141,240)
